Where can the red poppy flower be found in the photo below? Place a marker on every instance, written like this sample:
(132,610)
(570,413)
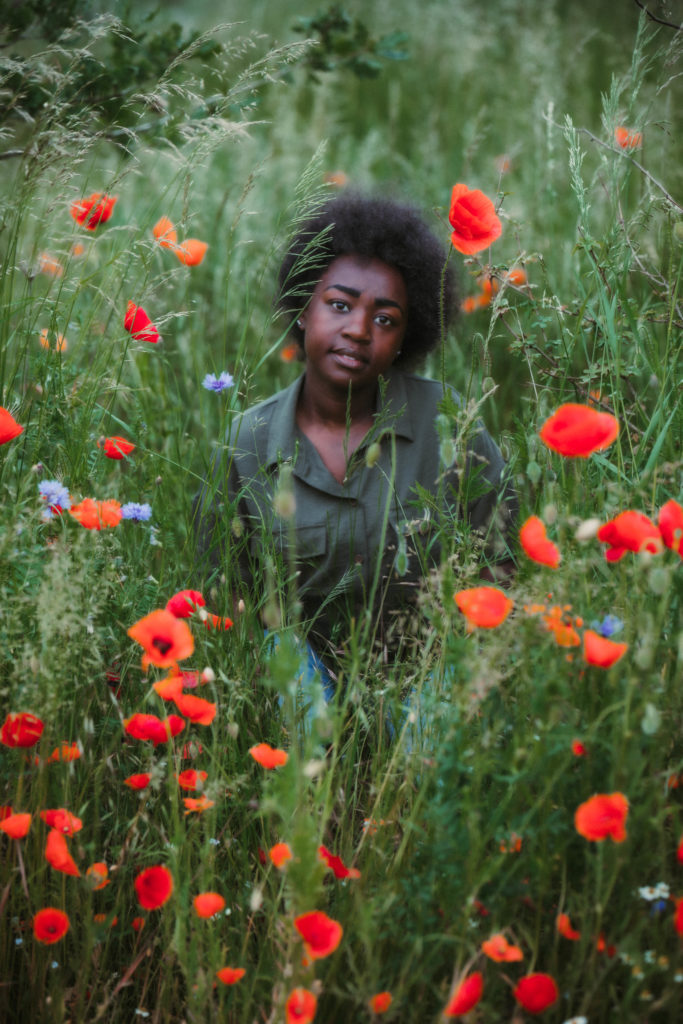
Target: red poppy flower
(149,727)
(16,825)
(137,323)
(578,749)
(288,353)
(198,805)
(380,1002)
(230,975)
(321,934)
(577,431)
(61,819)
(21,729)
(153,887)
(49,266)
(598,650)
(533,539)
(602,816)
(511,845)
(626,139)
(191,778)
(336,864)
(280,854)
(670,522)
(561,625)
(629,531)
(164,638)
(564,927)
(678,916)
(50,925)
(267,756)
(300,1006)
(66,753)
(138,923)
(198,710)
(169,687)
(516,277)
(473,218)
(499,949)
(184,603)
(466,995)
(94,210)
(57,854)
(603,946)
(217,622)
(485,607)
(98,873)
(191,252)
(97,515)
(679,851)
(116,447)
(206,904)
(9,428)
(536,992)
(165,234)
(139,781)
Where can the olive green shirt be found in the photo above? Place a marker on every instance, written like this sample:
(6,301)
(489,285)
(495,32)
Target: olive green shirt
(370,539)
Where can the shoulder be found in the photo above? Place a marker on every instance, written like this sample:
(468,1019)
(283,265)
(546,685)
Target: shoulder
(257,418)
(266,426)
(422,395)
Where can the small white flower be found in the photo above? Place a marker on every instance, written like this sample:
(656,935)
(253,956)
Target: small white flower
(662,891)
(649,892)
(577,1020)
(649,956)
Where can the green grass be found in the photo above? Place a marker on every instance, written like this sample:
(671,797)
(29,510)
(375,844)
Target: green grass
(429,825)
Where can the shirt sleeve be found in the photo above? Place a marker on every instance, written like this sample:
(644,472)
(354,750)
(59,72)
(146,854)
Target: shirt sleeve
(490,500)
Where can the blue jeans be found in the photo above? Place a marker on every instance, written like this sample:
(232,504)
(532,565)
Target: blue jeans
(417,715)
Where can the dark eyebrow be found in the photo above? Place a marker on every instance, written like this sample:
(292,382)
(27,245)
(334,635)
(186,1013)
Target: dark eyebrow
(354,292)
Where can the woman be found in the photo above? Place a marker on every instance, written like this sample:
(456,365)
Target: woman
(344,477)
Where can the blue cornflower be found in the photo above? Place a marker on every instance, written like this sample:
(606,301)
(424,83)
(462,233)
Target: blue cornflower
(137,512)
(213,383)
(610,625)
(56,496)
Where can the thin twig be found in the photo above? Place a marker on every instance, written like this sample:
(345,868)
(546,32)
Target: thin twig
(659,21)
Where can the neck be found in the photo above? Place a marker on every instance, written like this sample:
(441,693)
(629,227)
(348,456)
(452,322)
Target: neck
(336,408)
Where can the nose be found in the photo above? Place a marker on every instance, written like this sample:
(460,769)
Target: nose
(359,324)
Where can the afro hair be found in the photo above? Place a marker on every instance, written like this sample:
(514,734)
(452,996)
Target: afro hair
(375,228)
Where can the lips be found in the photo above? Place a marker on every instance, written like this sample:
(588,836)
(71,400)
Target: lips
(350,358)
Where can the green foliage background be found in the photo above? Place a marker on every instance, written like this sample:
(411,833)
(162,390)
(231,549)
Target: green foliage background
(233,140)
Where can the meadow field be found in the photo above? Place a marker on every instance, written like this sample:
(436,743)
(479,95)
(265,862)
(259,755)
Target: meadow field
(513,848)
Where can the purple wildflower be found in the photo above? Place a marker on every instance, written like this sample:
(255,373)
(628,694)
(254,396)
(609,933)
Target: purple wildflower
(138,513)
(610,625)
(213,383)
(56,496)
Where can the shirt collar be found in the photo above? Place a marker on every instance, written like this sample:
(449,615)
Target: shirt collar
(393,413)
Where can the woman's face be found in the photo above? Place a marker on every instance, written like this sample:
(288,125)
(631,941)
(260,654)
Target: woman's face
(354,324)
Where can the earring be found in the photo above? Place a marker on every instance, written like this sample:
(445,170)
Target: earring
(300,324)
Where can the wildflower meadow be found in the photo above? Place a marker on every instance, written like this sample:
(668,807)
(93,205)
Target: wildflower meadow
(489,828)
